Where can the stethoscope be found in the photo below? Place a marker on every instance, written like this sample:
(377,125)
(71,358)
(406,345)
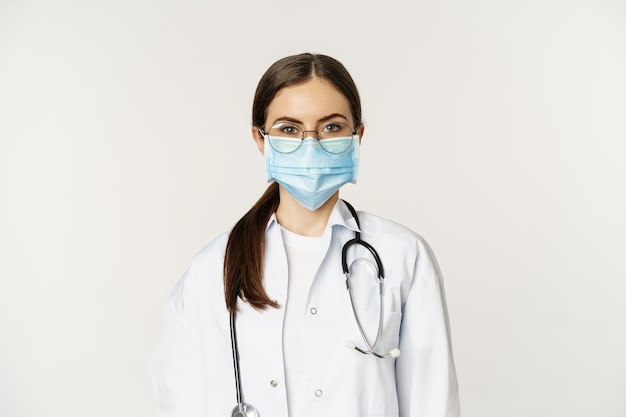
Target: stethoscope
(246,410)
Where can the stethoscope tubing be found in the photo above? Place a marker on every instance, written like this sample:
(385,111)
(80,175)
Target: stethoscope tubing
(371,347)
(241,409)
(235,350)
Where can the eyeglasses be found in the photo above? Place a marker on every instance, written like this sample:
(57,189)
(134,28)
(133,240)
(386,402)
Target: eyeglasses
(333,137)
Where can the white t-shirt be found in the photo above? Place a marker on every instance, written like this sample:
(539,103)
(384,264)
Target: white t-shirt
(304,256)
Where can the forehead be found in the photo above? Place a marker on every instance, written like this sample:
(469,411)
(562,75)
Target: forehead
(308,101)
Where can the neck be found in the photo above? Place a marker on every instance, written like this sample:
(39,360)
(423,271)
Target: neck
(297,219)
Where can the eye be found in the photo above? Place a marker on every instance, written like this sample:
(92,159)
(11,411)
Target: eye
(331,128)
(286,129)
(289,130)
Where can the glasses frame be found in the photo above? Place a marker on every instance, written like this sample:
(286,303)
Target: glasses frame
(354,133)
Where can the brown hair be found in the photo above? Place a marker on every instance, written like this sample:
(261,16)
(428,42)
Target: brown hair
(243,260)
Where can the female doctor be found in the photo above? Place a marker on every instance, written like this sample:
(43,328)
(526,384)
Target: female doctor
(307,307)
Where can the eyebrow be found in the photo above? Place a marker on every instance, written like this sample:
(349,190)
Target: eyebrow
(321,120)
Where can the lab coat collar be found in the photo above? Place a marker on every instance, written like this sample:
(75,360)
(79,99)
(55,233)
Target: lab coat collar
(339,216)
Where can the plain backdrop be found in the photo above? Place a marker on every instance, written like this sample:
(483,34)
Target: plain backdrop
(496,129)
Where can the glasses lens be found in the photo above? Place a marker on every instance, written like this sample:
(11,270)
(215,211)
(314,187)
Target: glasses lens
(335,137)
(284,145)
(285,137)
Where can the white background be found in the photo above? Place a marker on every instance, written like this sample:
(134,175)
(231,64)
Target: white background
(496,129)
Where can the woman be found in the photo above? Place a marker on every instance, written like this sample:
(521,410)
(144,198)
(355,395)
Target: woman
(274,289)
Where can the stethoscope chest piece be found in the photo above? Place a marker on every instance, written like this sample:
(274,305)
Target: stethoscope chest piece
(244,410)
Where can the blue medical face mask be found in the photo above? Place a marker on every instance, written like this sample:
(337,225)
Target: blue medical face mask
(310,174)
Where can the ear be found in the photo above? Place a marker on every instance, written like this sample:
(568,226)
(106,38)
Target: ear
(259,139)
(360,133)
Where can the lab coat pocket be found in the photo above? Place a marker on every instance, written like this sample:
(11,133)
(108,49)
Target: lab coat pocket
(376,376)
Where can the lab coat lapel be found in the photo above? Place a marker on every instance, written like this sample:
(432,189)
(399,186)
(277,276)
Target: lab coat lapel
(260,334)
(328,287)
(326,331)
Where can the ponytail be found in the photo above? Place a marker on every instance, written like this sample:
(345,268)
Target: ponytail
(243,260)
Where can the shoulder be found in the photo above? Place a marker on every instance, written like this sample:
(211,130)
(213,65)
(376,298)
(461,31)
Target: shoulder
(207,265)
(380,227)
(398,241)
(213,251)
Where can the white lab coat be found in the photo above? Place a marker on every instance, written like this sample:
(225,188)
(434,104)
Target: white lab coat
(192,367)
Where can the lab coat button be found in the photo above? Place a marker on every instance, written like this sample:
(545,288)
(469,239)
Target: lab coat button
(313,310)
(273,383)
(318,393)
